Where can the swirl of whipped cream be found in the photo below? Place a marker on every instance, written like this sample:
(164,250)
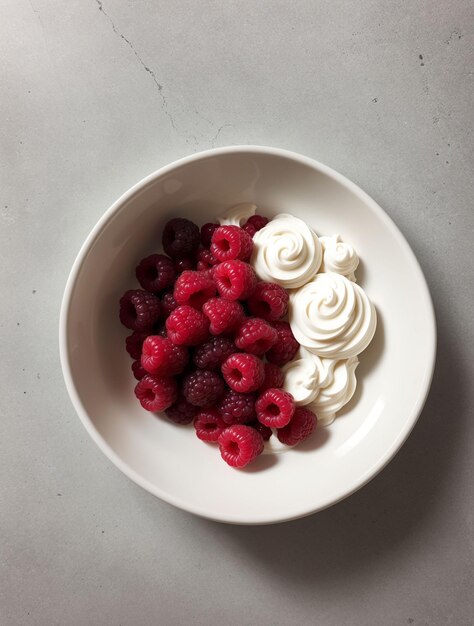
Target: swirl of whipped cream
(305,375)
(339,257)
(286,251)
(238,215)
(332,316)
(337,392)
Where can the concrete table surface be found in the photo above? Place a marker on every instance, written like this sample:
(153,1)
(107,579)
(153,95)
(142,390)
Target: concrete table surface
(97,94)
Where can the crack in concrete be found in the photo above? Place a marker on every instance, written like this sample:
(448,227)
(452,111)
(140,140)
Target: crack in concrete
(219,130)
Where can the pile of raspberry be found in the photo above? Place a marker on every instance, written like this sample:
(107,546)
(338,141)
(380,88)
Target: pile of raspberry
(209,340)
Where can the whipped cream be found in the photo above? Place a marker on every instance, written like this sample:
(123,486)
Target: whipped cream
(305,375)
(334,395)
(238,214)
(286,251)
(339,257)
(332,316)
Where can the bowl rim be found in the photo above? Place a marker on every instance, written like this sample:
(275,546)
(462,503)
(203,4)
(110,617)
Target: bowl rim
(260,519)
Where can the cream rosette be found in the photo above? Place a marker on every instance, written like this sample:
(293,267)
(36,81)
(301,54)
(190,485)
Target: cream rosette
(238,214)
(337,392)
(339,257)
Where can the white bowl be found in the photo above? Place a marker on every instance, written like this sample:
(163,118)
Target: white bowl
(394,374)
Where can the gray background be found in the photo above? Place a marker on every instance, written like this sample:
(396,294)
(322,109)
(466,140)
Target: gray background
(94,96)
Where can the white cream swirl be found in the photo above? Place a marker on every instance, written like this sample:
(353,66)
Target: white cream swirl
(305,375)
(339,390)
(339,257)
(332,316)
(286,251)
(238,214)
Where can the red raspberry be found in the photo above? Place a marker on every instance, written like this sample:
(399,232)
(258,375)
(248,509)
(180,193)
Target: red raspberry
(273,377)
(156,394)
(257,221)
(224,315)
(209,425)
(187,326)
(205,260)
(213,353)
(263,430)
(301,426)
(249,229)
(239,445)
(269,301)
(139,310)
(231,242)
(203,388)
(286,346)
(207,231)
(237,408)
(194,288)
(275,408)
(134,342)
(181,412)
(181,265)
(255,336)
(168,303)
(156,272)
(161,357)
(243,372)
(180,238)
(138,370)
(235,280)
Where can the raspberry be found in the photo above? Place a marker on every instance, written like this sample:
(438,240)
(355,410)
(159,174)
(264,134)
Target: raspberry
(139,310)
(286,346)
(161,357)
(231,242)
(213,353)
(168,303)
(301,426)
(181,265)
(235,280)
(155,272)
(209,425)
(273,377)
(237,408)
(263,430)
(138,370)
(206,233)
(275,408)
(160,329)
(180,238)
(257,221)
(205,260)
(239,445)
(156,394)
(255,336)
(224,315)
(134,342)
(193,288)
(249,229)
(187,326)
(269,301)
(203,388)
(181,412)
(243,372)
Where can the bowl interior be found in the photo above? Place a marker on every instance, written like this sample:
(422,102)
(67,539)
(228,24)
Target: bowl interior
(393,376)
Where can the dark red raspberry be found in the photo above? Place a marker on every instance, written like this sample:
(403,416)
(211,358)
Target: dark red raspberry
(138,370)
(275,408)
(134,342)
(203,388)
(181,265)
(168,303)
(243,372)
(156,272)
(257,221)
(268,301)
(161,357)
(209,425)
(225,316)
(180,238)
(273,377)
(286,346)
(301,426)
(249,229)
(231,242)
(255,336)
(139,310)
(263,430)
(207,231)
(205,260)
(235,280)
(213,353)
(156,394)
(239,445)
(237,408)
(193,288)
(186,326)
(182,412)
